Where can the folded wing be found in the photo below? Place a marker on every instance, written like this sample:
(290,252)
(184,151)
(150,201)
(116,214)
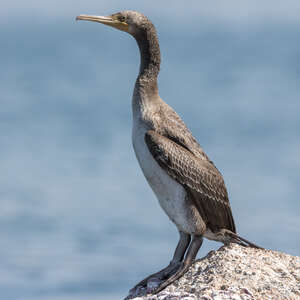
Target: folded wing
(202,181)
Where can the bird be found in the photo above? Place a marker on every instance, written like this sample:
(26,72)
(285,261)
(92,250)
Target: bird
(189,187)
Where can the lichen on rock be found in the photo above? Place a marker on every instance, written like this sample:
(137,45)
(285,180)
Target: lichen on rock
(237,273)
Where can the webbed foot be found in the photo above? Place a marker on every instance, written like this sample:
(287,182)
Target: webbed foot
(151,283)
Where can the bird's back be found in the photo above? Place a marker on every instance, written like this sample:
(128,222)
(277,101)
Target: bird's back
(182,159)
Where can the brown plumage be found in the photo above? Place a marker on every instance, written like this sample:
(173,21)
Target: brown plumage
(187,184)
(201,179)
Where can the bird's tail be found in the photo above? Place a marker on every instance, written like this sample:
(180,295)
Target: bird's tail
(227,236)
(235,238)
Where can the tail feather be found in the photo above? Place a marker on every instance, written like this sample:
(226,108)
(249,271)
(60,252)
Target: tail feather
(241,241)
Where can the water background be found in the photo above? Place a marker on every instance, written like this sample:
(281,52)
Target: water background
(77,219)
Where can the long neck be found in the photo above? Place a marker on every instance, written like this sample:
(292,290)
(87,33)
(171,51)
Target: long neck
(146,83)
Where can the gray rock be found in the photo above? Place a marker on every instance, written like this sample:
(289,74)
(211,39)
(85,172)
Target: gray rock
(237,273)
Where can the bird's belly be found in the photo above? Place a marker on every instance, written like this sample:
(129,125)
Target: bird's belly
(171,195)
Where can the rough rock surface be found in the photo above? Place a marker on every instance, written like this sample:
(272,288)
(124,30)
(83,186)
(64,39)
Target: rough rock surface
(237,273)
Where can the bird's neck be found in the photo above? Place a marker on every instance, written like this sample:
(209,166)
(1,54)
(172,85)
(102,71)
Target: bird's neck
(146,83)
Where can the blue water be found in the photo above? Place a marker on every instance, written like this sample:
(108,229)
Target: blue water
(77,219)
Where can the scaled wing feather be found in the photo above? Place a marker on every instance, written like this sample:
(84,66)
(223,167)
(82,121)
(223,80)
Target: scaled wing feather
(202,181)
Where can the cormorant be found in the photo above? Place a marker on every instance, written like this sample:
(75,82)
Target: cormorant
(189,187)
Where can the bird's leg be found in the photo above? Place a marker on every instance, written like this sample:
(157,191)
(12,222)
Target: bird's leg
(155,279)
(174,264)
(188,261)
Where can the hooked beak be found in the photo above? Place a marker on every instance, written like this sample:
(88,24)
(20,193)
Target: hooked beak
(109,20)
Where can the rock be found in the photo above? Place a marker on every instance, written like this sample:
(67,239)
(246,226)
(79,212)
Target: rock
(237,273)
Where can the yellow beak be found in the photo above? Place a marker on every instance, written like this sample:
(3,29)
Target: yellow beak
(109,20)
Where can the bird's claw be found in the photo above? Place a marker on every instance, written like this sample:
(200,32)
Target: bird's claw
(144,288)
(152,283)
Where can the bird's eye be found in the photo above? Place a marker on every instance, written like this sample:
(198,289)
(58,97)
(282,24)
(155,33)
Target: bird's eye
(121,18)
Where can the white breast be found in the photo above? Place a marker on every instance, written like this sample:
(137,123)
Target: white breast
(171,195)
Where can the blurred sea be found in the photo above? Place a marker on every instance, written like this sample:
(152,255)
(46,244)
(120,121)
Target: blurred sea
(77,219)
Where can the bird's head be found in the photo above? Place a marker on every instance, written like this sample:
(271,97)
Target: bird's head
(129,21)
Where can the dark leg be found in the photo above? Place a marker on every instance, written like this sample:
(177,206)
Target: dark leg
(182,245)
(156,278)
(189,259)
